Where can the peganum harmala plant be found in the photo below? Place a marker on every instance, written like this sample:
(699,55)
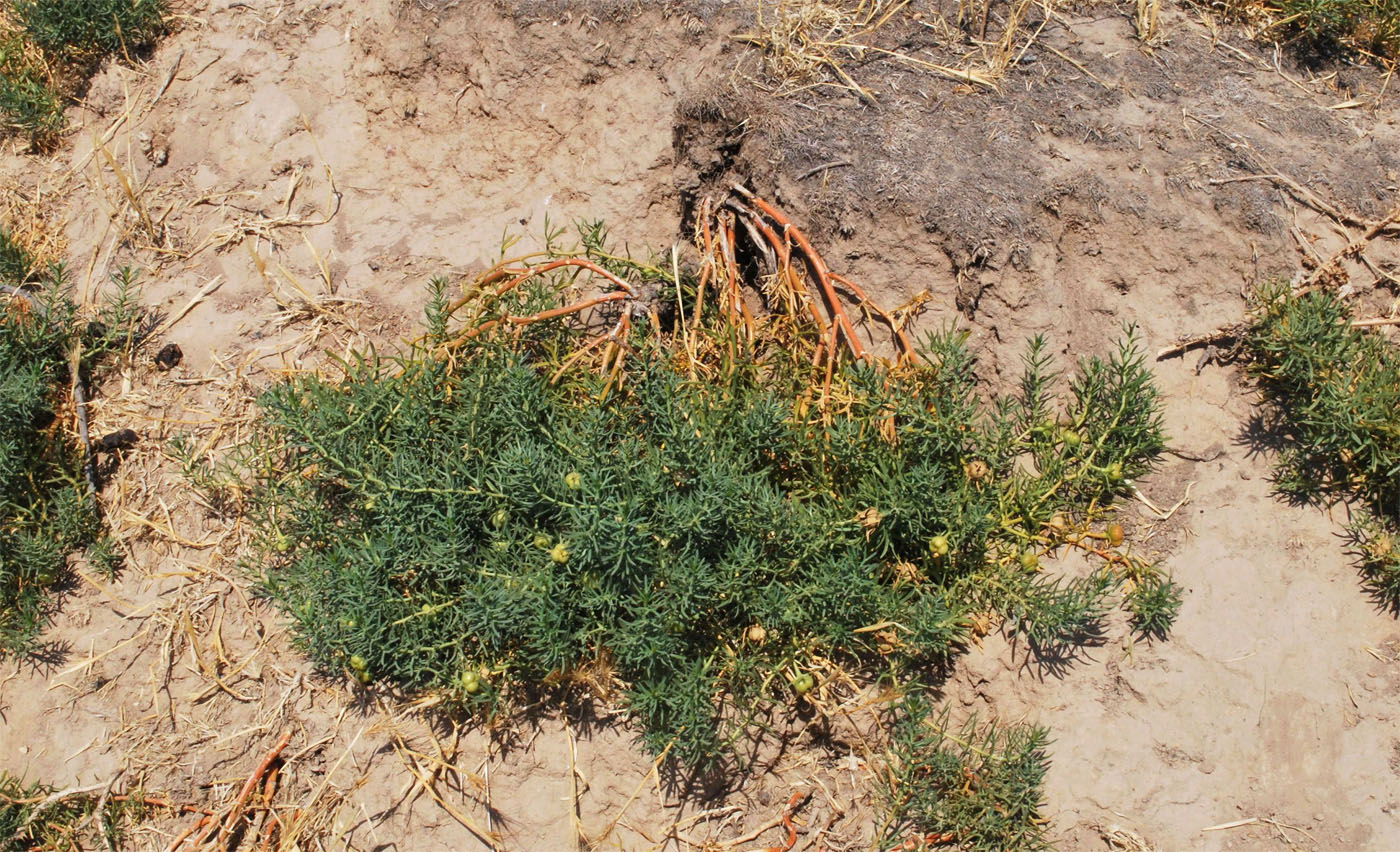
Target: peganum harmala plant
(713,510)
(47,510)
(1332,404)
(975,786)
(49,49)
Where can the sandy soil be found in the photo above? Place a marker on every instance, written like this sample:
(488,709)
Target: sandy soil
(299,171)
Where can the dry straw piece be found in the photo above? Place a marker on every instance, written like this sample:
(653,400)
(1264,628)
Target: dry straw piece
(804,41)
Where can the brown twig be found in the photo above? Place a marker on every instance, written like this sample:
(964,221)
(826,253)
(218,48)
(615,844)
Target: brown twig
(834,164)
(79,400)
(1333,265)
(1230,332)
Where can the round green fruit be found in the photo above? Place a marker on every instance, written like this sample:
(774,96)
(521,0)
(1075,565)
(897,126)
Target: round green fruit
(1115,534)
(499,518)
(1029,561)
(573,480)
(543,541)
(803,683)
(559,553)
(358,663)
(939,546)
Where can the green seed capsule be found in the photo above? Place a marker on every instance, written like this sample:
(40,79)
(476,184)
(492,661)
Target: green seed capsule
(939,546)
(500,518)
(543,541)
(559,553)
(573,480)
(1029,561)
(803,683)
(358,663)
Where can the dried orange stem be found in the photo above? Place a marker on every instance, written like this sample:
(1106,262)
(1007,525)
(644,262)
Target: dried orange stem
(252,782)
(793,801)
(818,267)
(904,343)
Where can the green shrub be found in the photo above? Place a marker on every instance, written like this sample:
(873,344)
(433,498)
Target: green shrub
(1370,25)
(57,45)
(1332,395)
(46,513)
(30,104)
(473,525)
(87,31)
(31,107)
(979,788)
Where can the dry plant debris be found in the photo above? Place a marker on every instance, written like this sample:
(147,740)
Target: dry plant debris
(804,41)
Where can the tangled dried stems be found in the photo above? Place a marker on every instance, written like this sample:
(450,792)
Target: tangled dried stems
(805,40)
(793,298)
(1145,20)
(31,217)
(1329,273)
(143,215)
(807,43)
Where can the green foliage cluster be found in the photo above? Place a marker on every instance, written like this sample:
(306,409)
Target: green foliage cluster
(28,824)
(1333,404)
(1372,26)
(1322,28)
(86,32)
(50,47)
(46,513)
(978,787)
(498,521)
(30,102)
